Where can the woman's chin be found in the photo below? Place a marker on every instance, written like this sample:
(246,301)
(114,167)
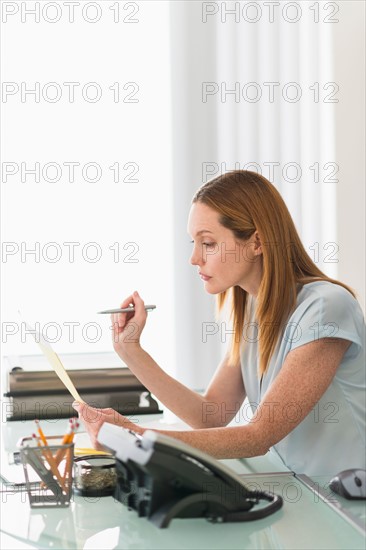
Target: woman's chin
(213,289)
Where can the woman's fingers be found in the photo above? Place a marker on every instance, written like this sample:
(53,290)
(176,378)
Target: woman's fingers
(94,418)
(120,320)
(127,327)
(140,312)
(90,415)
(139,303)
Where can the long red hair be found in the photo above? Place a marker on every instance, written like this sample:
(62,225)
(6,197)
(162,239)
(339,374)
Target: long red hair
(248,202)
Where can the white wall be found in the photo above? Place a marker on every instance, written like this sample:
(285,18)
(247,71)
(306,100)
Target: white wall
(349,72)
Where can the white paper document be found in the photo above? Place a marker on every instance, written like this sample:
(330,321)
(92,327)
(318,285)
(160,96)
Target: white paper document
(55,363)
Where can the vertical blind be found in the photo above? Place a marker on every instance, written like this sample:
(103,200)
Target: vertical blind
(252,89)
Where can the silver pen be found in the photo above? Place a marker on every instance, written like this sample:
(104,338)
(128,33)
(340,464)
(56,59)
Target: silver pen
(126,309)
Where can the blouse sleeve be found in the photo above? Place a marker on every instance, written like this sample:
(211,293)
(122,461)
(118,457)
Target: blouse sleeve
(330,311)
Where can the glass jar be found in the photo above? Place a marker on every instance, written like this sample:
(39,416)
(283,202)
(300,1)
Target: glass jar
(94,476)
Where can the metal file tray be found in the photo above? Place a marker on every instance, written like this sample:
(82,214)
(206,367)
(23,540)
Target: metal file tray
(41,394)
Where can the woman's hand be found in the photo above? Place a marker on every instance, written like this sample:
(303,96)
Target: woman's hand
(127,327)
(93,420)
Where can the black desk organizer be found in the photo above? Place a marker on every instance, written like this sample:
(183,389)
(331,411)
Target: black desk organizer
(167,479)
(41,394)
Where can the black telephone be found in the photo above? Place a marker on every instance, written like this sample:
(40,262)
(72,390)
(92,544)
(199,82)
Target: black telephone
(162,478)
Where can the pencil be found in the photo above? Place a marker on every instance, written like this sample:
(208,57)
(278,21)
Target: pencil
(48,456)
(41,434)
(45,475)
(67,439)
(80,451)
(67,470)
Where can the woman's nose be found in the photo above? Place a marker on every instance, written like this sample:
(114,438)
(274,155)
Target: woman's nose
(195,258)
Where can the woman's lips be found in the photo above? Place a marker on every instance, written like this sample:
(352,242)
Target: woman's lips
(204,277)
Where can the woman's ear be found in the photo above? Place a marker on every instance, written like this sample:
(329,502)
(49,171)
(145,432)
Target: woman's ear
(257,244)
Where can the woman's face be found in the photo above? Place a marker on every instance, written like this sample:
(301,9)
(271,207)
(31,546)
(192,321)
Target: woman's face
(223,260)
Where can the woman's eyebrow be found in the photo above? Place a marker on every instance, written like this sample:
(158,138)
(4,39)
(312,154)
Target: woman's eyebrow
(200,232)
(203,231)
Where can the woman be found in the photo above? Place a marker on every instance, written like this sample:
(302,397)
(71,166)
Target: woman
(297,352)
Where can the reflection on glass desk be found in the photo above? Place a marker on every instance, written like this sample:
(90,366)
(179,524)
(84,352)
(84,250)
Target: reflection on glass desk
(304,522)
(354,511)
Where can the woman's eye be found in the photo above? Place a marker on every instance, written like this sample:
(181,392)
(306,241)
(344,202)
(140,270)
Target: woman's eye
(204,244)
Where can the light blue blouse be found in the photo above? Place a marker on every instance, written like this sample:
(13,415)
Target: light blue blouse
(332,437)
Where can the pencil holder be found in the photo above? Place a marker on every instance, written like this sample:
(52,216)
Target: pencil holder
(53,465)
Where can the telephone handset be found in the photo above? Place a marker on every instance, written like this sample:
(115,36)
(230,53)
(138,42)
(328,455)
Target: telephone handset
(163,478)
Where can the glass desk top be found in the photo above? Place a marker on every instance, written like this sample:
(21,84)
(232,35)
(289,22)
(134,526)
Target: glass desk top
(305,521)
